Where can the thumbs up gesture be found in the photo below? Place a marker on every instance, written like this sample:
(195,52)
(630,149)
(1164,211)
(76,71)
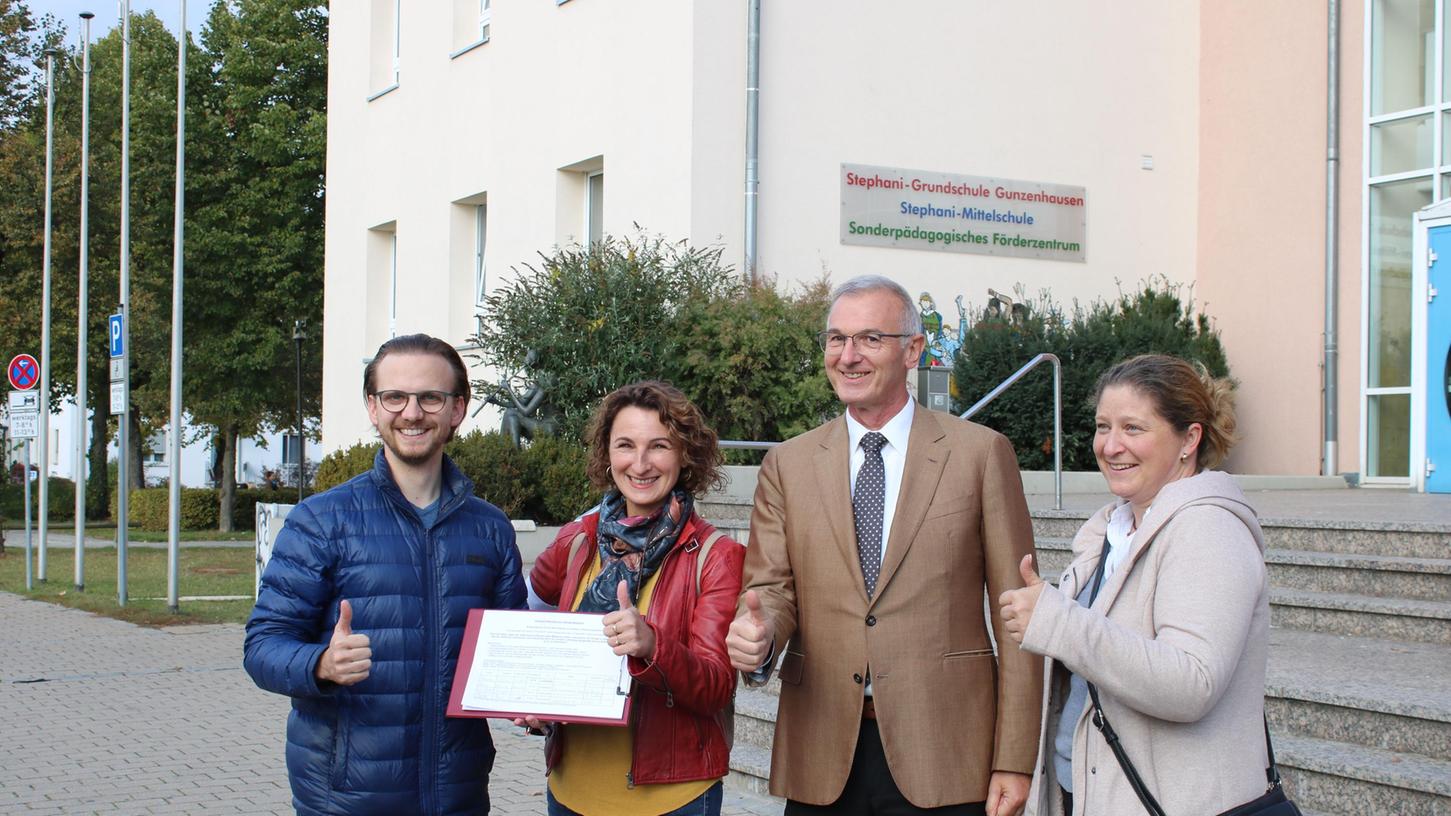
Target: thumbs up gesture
(751,634)
(1018,604)
(626,630)
(348,657)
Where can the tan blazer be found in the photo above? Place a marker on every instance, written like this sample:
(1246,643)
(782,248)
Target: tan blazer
(948,712)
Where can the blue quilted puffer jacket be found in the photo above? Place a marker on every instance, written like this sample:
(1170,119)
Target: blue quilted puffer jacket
(382,746)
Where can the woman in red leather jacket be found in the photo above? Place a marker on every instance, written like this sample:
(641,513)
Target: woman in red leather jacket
(667,582)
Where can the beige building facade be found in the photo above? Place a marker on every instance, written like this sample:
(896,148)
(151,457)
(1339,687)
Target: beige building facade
(465,138)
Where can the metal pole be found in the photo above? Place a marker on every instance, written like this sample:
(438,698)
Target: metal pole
(29,548)
(301,456)
(123,470)
(1057,435)
(1331,419)
(83,304)
(45,311)
(753,131)
(178,225)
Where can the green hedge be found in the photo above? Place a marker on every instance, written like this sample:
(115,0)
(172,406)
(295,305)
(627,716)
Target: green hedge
(149,508)
(544,482)
(244,507)
(61,502)
(1153,319)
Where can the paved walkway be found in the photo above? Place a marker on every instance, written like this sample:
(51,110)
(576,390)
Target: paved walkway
(104,717)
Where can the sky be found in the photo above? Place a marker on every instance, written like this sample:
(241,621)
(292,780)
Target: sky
(108,14)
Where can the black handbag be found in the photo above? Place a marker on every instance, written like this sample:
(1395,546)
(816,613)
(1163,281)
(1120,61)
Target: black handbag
(1272,802)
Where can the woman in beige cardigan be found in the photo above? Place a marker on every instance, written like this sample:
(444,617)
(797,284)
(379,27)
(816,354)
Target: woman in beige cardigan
(1173,630)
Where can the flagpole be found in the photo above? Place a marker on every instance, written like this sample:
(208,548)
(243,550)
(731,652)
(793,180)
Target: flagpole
(174,454)
(83,304)
(44,522)
(123,455)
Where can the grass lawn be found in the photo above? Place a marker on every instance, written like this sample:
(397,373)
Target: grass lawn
(202,571)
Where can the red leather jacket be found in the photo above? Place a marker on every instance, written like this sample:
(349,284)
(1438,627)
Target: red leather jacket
(680,697)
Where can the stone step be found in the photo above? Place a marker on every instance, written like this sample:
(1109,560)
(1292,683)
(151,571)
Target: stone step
(755,717)
(1410,540)
(1381,576)
(750,768)
(1386,695)
(1361,615)
(1344,778)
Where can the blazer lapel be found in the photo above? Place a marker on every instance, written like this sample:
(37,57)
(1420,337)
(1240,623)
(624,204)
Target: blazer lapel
(833,480)
(926,457)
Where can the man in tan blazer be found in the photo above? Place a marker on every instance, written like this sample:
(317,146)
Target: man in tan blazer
(873,541)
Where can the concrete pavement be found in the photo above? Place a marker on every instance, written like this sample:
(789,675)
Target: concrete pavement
(104,717)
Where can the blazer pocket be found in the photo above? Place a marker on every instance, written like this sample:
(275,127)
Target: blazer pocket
(791,667)
(962,504)
(968,654)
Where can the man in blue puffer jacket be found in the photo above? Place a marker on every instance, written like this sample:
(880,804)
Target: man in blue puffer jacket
(362,607)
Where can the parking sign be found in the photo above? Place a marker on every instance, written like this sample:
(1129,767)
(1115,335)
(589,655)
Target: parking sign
(114,325)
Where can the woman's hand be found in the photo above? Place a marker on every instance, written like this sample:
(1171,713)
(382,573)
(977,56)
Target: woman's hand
(534,725)
(1018,604)
(626,630)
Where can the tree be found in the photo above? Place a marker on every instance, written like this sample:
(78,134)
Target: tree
(22,182)
(258,238)
(597,318)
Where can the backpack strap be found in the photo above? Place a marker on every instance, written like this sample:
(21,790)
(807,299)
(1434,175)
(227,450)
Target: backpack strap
(704,551)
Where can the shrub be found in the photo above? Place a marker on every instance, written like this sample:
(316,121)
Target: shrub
(244,506)
(61,502)
(343,464)
(751,362)
(1153,319)
(149,508)
(597,318)
(555,471)
(496,468)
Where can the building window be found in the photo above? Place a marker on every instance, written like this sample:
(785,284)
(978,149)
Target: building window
(594,208)
(481,234)
(471,20)
(383,52)
(155,453)
(1407,166)
(382,280)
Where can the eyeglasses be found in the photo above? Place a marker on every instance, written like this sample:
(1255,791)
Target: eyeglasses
(431,402)
(864,341)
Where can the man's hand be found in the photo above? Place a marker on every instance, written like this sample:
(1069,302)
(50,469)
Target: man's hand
(1018,604)
(626,630)
(1007,792)
(750,636)
(348,657)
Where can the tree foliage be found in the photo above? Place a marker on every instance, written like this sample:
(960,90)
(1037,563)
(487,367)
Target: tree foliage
(255,145)
(1156,318)
(642,308)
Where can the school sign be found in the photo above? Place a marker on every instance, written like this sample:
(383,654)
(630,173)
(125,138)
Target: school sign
(946,212)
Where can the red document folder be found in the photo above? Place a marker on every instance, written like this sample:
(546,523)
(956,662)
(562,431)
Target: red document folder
(466,663)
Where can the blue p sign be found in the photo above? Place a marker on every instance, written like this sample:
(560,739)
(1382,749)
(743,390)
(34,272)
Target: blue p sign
(115,331)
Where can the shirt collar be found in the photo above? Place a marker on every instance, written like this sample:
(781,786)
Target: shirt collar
(897,430)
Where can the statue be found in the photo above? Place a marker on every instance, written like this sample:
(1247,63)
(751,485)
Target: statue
(528,414)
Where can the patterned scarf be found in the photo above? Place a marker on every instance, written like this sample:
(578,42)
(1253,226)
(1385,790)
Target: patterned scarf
(632,547)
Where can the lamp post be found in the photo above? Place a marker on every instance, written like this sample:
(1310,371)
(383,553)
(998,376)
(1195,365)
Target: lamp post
(297,337)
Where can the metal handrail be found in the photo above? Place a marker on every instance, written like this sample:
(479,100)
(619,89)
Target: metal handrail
(736,444)
(1057,414)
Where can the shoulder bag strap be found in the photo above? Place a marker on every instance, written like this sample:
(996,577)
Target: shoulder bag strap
(700,557)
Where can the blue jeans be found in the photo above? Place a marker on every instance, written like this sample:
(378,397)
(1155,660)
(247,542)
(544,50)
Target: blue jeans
(706,804)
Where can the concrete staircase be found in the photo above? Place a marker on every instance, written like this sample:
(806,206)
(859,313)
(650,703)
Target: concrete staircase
(1359,685)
